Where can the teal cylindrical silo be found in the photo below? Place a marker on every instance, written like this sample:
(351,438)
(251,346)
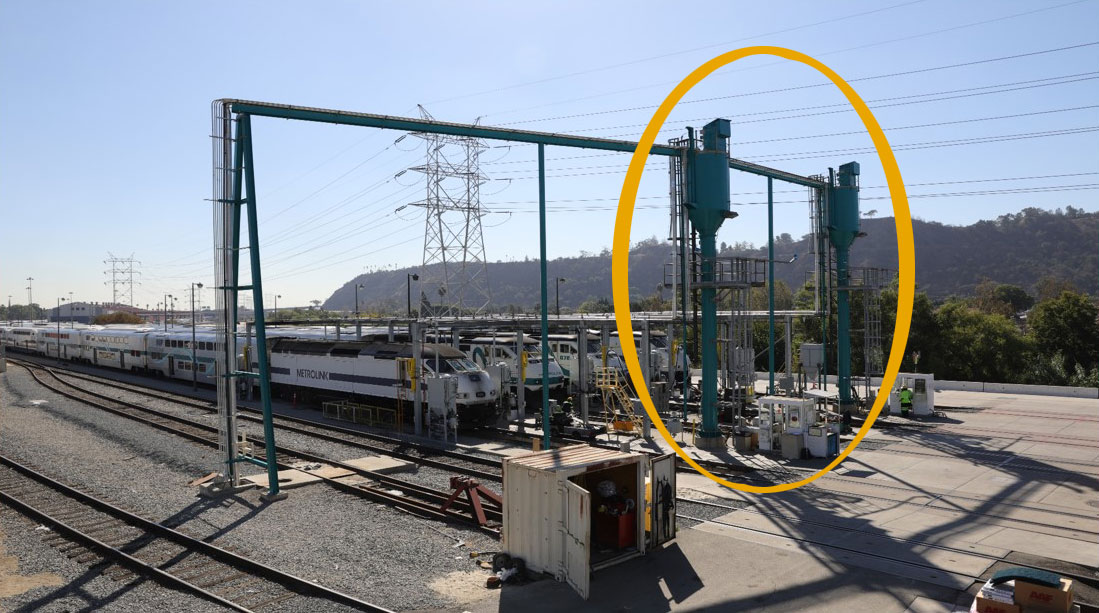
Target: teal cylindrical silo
(843,227)
(843,206)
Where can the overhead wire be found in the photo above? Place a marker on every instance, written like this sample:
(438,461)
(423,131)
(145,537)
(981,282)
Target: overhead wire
(670,54)
(728,71)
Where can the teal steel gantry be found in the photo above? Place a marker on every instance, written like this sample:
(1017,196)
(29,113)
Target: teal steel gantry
(706,173)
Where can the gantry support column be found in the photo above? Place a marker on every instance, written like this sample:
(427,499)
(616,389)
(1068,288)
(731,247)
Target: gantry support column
(257,306)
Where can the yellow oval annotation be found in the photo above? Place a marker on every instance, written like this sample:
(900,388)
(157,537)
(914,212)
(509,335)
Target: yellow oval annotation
(621,245)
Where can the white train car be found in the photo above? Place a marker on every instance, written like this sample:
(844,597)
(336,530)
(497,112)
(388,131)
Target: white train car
(121,348)
(319,369)
(566,350)
(502,348)
(659,351)
(21,338)
(170,355)
(64,343)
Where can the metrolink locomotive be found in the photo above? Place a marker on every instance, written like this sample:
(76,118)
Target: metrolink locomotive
(302,366)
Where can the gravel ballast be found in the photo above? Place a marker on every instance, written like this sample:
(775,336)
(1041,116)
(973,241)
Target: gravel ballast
(374,552)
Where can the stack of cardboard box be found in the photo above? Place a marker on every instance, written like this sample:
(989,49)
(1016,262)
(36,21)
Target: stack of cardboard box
(1021,596)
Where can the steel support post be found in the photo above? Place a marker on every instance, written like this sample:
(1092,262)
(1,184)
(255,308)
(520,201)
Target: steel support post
(232,282)
(257,309)
(417,380)
(521,383)
(843,329)
(709,340)
(583,371)
(770,287)
(788,330)
(545,305)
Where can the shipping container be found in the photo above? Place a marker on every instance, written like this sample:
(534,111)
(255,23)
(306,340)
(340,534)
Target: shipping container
(571,511)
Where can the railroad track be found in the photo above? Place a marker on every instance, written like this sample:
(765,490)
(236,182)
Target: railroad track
(386,489)
(419,453)
(93,531)
(492,471)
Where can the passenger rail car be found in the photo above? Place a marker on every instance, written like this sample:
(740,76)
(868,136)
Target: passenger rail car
(566,349)
(372,371)
(502,348)
(143,350)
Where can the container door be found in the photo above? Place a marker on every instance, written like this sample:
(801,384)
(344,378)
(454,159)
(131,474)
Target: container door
(577,538)
(662,500)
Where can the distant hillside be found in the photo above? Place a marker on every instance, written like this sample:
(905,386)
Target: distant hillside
(950,260)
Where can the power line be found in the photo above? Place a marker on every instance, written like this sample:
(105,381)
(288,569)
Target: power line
(794,191)
(807,86)
(1008,191)
(901,147)
(810,136)
(667,55)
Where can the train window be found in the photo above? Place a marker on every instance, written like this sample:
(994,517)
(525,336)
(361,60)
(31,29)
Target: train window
(202,368)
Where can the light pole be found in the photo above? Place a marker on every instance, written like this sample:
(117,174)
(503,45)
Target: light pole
(59,301)
(9,309)
(194,363)
(277,296)
(71,323)
(557,298)
(358,286)
(411,277)
(174,299)
(166,297)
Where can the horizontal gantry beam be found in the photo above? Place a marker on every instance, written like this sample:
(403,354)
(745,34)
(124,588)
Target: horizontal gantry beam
(408,124)
(266,109)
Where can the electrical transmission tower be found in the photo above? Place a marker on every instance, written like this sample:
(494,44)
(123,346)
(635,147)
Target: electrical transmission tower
(122,271)
(454,276)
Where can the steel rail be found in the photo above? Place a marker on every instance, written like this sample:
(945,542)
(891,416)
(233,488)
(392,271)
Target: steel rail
(299,585)
(195,402)
(430,503)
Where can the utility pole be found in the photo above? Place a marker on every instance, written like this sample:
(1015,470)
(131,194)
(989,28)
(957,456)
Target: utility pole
(72,324)
(277,296)
(410,278)
(557,297)
(194,345)
(59,301)
(30,294)
(358,286)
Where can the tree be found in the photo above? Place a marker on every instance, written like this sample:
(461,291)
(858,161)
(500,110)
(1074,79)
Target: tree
(1066,325)
(24,312)
(1001,299)
(602,305)
(1052,287)
(1016,296)
(978,346)
(924,334)
(119,317)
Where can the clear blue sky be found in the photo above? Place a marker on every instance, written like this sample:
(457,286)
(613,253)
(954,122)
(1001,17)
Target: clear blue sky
(105,121)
